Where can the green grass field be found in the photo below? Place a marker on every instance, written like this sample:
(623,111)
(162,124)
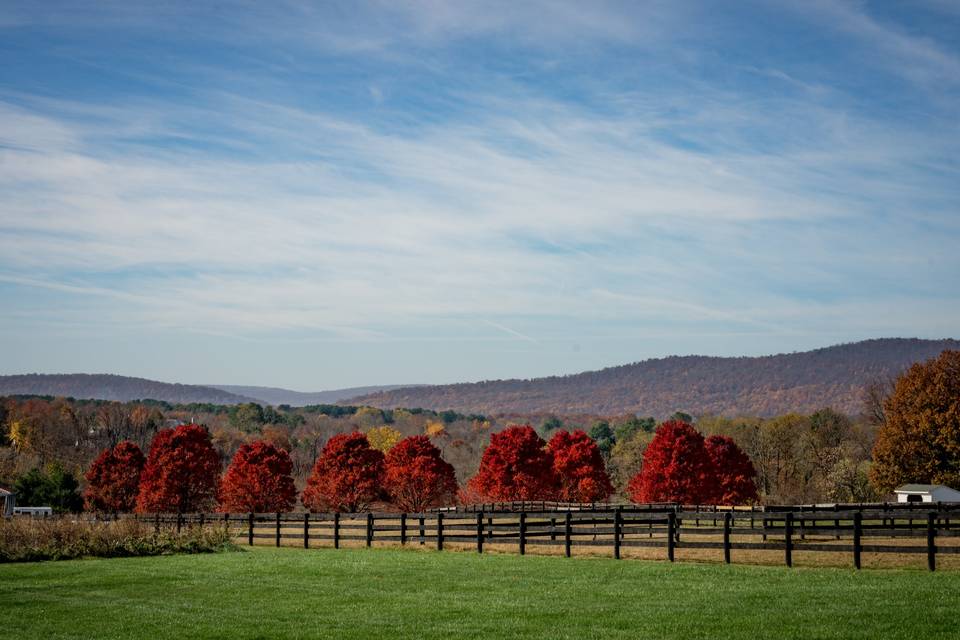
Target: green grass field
(361,593)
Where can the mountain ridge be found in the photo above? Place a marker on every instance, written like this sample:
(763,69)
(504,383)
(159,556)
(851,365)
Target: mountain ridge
(744,385)
(277,395)
(108,386)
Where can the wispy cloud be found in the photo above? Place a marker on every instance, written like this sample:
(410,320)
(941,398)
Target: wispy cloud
(552,204)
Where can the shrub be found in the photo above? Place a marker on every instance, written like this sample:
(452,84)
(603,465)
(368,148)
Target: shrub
(32,539)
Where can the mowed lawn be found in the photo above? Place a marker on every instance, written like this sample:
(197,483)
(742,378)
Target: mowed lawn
(382,593)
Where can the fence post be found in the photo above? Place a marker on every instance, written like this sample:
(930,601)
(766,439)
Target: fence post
(423,532)
(403,528)
(479,532)
(617,524)
(566,533)
(179,521)
(440,531)
(553,528)
(671,526)
(201,519)
(336,529)
(857,532)
(250,530)
(226,521)
(931,541)
(523,532)
(369,528)
(788,538)
(727,517)
(306,530)
(278,528)
(156,523)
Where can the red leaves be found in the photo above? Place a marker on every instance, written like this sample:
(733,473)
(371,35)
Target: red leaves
(181,472)
(417,477)
(734,471)
(578,465)
(258,480)
(676,468)
(113,479)
(516,466)
(348,475)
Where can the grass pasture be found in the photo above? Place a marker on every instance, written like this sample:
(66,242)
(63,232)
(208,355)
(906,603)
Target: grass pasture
(412,593)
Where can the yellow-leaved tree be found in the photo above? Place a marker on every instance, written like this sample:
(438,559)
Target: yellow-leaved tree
(435,429)
(383,438)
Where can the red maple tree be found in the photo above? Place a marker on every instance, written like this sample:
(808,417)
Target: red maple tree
(181,474)
(347,477)
(735,471)
(676,468)
(417,477)
(516,466)
(113,479)
(258,479)
(578,465)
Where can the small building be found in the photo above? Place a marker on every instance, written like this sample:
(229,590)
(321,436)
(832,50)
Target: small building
(8,500)
(926,493)
(33,512)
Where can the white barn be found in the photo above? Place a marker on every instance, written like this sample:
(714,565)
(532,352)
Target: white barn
(926,493)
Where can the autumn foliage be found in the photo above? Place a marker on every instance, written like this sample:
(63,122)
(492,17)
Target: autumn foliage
(347,477)
(578,465)
(735,472)
(383,438)
(417,477)
(676,468)
(516,466)
(258,480)
(181,473)
(920,440)
(113,479)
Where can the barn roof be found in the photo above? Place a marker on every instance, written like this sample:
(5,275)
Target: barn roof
(919,488)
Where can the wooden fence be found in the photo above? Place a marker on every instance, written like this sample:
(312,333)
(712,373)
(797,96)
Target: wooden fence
(843,529)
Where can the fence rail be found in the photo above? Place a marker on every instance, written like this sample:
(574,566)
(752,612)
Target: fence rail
(931,529)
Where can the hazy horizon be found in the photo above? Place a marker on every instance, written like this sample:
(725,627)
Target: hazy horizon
(324,197)
(402,383)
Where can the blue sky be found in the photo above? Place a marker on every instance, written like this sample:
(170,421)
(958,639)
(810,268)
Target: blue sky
(327,195)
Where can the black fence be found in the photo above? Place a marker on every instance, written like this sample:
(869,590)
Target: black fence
(930,529)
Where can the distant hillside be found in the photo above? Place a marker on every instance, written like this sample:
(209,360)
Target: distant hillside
(276,396)
(763,386)
(110,387)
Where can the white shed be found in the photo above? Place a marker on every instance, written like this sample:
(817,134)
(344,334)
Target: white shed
(926,493)
(8,500)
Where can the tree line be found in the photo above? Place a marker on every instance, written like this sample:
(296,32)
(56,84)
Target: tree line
(182,473)
(907,432)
